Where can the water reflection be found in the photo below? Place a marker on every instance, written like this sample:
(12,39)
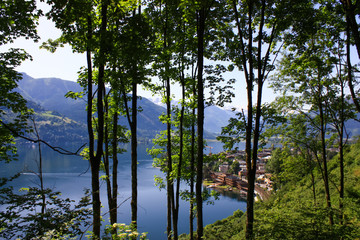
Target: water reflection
(69,175)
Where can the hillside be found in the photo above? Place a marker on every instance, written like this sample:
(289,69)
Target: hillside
(294,212)
(56,129)
(49,94)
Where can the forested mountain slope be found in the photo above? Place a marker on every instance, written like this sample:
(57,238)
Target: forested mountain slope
(49,94)
(294,211)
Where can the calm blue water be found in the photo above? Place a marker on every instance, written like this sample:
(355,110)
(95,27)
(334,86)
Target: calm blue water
(71,174)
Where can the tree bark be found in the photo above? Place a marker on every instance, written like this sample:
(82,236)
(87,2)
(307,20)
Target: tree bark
(133,127)
(113,210)
(349,70)
(178,179)
(192,170)
(111,182)
(249,160)
(200,121)
(96,159)
(94,169)
(351,22)
(171,219)
(324,155)
(169,180)
(341,158)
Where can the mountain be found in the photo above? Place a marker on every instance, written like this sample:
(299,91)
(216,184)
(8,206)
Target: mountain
(56,129)
(49,94)
(216,118)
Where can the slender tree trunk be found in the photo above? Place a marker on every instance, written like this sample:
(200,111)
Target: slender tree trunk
(308,157)
(106,158)
(109,189)
(171,208)
(341,130)
(349,70)
(132,120)
(40,175)
(341,158)
(249,76)
(324,155)
(250,178)
(94,169)
(200,121)
(249,159)
(133,127)
(178,179)
(192,170)
(43,197)
(95,160)
(170,181)
(253,163)
(351,21)
(113,210)
(326,175)
(96,200)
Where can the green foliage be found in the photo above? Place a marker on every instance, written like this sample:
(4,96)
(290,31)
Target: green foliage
(228,228)
(225,229)
(235,131)
(123,232)
(299,219)
(292,213)
(13,110)
(22,217)
(17,19)
(213,161)
(59,130)
(235,167)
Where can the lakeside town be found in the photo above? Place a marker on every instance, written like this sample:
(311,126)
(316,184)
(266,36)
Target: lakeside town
(231,178)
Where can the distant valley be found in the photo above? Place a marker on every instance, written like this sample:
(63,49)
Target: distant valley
(63,120)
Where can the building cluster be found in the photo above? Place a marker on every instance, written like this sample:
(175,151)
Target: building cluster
(263,179)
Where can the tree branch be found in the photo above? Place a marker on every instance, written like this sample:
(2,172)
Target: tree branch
(56,149)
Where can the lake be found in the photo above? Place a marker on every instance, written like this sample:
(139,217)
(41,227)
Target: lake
(71,174)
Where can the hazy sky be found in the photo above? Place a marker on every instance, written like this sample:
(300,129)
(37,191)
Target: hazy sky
(65,64)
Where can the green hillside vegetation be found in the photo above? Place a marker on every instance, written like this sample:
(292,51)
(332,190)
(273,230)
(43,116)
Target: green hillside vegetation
(49,94)
(57,129)
(293,212)
(54,128)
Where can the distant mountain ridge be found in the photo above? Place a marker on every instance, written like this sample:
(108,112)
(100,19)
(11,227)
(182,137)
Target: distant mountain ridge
(49,93)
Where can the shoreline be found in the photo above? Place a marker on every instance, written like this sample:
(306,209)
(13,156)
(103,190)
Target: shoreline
(260,194)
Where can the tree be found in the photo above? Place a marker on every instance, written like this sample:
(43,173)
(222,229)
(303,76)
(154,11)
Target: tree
(81,22)
(201,14)
(128,63)
(260,29)
(18,19)
(309,72)
(298,138)
(174,55)
(114,134)
(57,217)
(62,219)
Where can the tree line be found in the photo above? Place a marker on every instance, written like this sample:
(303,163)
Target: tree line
(302,47)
